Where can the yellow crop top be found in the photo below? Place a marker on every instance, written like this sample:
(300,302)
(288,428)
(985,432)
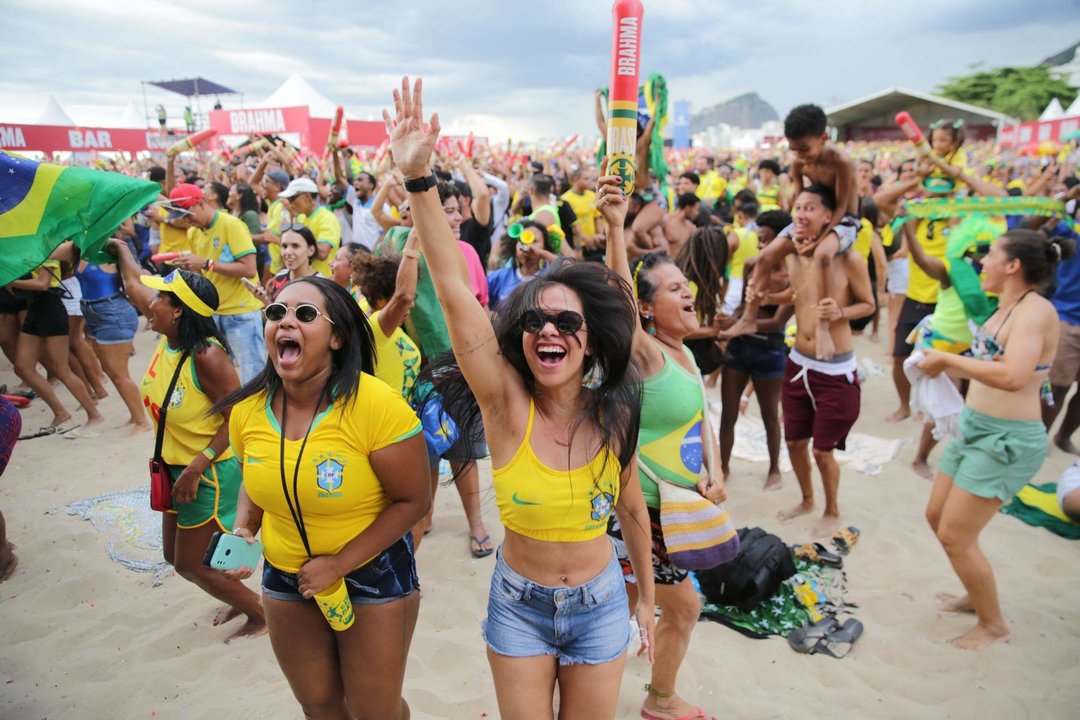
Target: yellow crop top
(542,503)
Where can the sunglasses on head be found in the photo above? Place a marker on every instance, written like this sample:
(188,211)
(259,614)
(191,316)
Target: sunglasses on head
(292,227)
(566,322)
(305,313)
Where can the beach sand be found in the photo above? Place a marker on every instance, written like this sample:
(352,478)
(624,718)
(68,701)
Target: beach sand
(82,637)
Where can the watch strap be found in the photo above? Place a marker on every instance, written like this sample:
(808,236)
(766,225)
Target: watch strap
(419,185)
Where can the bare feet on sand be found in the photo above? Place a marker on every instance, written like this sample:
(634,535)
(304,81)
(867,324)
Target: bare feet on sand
(901,413)
(980,636)
(673,707)
(8,562)
(774,481)
(806,506)
(59,420)
(1065,444)
(225,614)
(954,603)
(94,418)
(827,526)
(922,469)
(252,628)
(138,428)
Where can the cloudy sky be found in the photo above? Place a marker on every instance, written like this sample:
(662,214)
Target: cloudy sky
(505,67)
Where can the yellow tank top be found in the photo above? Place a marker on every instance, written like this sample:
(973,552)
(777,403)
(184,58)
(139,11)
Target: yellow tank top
(542,503)
(747,249)
(187,428)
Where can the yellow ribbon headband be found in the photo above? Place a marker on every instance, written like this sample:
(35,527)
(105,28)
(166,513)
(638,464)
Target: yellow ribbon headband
(174,282)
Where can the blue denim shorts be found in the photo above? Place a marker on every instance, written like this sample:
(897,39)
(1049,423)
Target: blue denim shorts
(244,331)
(588,624)
(110,320)
(755,359)
(387,577)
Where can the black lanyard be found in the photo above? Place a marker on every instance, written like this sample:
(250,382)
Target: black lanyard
(297,515)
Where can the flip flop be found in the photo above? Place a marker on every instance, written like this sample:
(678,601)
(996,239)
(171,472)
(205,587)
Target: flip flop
(42,432)
(845,539)
(482,553)
(77,433)
(837,643)
(28,394)
(816,553)
(695,713)
(806,639)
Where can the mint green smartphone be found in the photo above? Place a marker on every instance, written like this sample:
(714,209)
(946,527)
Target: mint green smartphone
(230,552)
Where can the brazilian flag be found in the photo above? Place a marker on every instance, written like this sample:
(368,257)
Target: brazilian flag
(42,205)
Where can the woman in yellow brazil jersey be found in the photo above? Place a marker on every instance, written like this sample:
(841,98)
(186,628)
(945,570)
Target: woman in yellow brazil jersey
(673,441)
(205,474)
(550,377)
(335,475)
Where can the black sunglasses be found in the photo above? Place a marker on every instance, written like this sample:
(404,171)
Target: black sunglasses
(566,322)
(292,227)
(305,313)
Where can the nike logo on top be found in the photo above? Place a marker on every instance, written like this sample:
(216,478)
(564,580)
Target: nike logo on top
(523,502)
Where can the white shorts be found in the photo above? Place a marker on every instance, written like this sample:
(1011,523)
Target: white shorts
(72,297)
(897,276)
(1068,483)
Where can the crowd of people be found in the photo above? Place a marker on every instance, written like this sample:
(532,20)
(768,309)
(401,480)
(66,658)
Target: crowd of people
(438,305)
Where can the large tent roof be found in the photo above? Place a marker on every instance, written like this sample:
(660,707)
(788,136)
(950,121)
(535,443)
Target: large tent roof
(296,91)
(193,86)
(879,108)
(53,114)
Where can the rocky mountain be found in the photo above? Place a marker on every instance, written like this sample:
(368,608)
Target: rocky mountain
(745,111)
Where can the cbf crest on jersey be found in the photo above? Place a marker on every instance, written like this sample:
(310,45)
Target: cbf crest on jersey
(329,474)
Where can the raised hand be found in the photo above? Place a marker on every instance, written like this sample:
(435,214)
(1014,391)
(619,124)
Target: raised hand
(412,141)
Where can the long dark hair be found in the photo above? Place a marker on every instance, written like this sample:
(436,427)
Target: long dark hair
(248,200)
(703,260)
(194,331)
(614,404)
(356,354)
(1038,254)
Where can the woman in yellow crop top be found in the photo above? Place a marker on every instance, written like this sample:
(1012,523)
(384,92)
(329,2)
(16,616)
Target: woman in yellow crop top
(671,440)
(549,377)
(195,446)
(335,475)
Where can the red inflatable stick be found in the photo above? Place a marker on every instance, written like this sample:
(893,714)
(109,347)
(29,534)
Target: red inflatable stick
(190,142)
(626,17)
(164,257)
(911,130)
(17,400)
(335,130)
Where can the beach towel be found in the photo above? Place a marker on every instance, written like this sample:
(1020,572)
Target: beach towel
(1037,505)
(865,453)
(935,397)
(132,530)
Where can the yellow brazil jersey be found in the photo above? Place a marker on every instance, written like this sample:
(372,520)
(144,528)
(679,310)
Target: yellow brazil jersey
(53,266)
(864,238)
(226,240)
(173,239)
(932,236)
(188,430)
(711,188)
(339,494)
(769,197)
(273,224)
(748,248)
(324,224)
(397,358)
(584,206)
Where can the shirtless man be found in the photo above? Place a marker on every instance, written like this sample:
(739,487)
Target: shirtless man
(820,398)
(825,165)
(680,225)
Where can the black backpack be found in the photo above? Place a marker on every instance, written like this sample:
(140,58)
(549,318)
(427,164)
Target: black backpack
(763,562)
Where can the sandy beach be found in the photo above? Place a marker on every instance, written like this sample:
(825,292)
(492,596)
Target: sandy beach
(82,637)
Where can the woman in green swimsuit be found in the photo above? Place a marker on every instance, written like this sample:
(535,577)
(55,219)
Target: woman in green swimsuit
(1003,441)
(670,441)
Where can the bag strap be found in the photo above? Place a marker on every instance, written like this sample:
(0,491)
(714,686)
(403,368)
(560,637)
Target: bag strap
(165,405)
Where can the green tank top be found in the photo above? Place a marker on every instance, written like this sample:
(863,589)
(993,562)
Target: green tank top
(949,319)
(669,441)
(550,208)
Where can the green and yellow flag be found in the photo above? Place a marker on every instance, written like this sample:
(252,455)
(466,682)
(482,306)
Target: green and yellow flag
(42,205)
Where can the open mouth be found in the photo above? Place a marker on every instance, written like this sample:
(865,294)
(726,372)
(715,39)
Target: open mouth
(288,351)
(550,355)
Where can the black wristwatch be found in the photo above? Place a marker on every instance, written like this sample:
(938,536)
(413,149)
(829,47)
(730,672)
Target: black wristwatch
(419,185)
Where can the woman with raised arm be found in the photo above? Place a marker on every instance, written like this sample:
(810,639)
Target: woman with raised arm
(672,440)
(1002,441)
(549,378)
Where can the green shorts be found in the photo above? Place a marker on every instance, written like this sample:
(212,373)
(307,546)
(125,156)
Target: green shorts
(214,500)
(996,457)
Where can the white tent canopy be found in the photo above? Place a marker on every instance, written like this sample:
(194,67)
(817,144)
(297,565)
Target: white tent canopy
(132,118)
(1053,111)
(1074,109)
(55,115)
(297,91)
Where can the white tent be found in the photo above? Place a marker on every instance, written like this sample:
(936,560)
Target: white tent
(132,118)
(1053,111)
(297,91)
(1074,109)
(55,115)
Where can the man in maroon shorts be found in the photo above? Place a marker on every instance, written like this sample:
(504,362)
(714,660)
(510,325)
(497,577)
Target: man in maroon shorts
(821,398)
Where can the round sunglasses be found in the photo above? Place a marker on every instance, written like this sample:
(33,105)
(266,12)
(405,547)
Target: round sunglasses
(566,322)
(305,313)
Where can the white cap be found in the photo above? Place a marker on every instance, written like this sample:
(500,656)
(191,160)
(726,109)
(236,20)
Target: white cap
(299,185)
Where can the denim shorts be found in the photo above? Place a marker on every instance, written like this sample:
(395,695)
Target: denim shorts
(388,576)
(110,320)
(755,359)
(588,624)
(244,331)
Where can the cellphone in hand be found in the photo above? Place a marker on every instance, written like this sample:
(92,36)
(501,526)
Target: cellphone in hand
(230,552)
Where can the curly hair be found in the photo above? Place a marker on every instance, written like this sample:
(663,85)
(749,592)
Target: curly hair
(375,275)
